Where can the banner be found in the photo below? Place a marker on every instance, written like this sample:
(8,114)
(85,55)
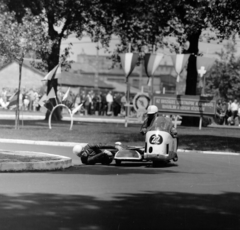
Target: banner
(128,61)
(151,63)
(179,62)
(52,74)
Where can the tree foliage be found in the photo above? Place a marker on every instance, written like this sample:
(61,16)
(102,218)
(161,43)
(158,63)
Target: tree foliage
(19,38)
(224,80)
(144,23)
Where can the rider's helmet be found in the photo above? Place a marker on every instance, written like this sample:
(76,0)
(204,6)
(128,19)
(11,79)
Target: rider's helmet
(77,149)
(152,109)
(118,145)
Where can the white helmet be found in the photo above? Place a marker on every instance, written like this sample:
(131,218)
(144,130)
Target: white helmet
(152,109)
(118,143)
(77,149)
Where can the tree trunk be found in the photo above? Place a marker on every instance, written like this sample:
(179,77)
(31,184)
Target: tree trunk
(18,95)
(52,61)
(192,75)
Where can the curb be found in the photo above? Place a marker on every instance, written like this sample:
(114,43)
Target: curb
(50,143)
(207,152)
(61,162)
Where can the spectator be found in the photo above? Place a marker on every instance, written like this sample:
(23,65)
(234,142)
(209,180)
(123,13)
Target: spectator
(234,111)
(123,103)
(103,104)
(35,100)
(229,114)
(220,113)
(116,105)
(88,103)
(30,97)
(109,99)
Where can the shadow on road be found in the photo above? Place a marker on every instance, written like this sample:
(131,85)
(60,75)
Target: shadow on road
(149,211)
(125,169)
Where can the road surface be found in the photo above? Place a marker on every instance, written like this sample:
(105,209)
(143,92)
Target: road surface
(200,191)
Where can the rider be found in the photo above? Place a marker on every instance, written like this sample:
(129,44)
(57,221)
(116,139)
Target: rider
(94,153)
(152,114)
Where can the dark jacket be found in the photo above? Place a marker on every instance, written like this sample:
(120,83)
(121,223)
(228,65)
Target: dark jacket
(93,149)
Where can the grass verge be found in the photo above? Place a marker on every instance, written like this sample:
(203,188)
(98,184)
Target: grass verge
(212,139)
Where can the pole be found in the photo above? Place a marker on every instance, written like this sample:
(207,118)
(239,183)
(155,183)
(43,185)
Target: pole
(152,86)
(97,66)
(127,93)
(203,89)
(141,74)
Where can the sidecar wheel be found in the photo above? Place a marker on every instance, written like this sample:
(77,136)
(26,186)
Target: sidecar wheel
(118,162)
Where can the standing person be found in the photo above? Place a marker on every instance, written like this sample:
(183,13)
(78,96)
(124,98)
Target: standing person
(109,99)
(239,114)
(116,105)
(220,113)
(77,102)
(229,114)
(123,103)
(87,103)
(26,101)
(4,98)
(103,107)
(35,100)
(31,99)
(97,103)
(234,111)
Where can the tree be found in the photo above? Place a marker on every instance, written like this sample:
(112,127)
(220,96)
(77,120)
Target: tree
(17,39)
(224,79)
(62,18)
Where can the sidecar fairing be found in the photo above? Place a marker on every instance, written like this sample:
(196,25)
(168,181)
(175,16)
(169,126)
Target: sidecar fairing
(159,143)
(131,153)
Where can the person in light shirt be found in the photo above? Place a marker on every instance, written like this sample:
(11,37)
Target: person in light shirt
(238,113)
(234,111)
(109,99)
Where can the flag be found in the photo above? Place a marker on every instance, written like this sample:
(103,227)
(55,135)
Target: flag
(180,61)
(203,66)
(128,61)
(51,94)
(151,63)
(76,109)
(13,99)
(52,74)
(43,100)
(66,94)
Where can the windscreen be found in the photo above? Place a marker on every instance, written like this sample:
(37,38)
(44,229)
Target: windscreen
(161,124)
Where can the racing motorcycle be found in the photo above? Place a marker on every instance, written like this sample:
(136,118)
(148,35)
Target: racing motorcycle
(160,145)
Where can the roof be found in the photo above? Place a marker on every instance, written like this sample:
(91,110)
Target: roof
(119,87)
(26,63)
(76,80)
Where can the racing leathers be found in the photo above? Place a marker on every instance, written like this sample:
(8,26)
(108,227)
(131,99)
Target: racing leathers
(96,153)
(149,121)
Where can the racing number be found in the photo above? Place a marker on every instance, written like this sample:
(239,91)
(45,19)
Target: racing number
(156,139)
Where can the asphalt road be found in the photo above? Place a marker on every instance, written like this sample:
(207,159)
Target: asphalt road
(200,191)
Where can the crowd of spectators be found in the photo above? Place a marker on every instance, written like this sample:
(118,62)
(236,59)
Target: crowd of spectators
(97,103)
(28,99)
(94,103)
(228,113)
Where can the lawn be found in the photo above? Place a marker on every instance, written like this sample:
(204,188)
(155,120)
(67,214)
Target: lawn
(214,139)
